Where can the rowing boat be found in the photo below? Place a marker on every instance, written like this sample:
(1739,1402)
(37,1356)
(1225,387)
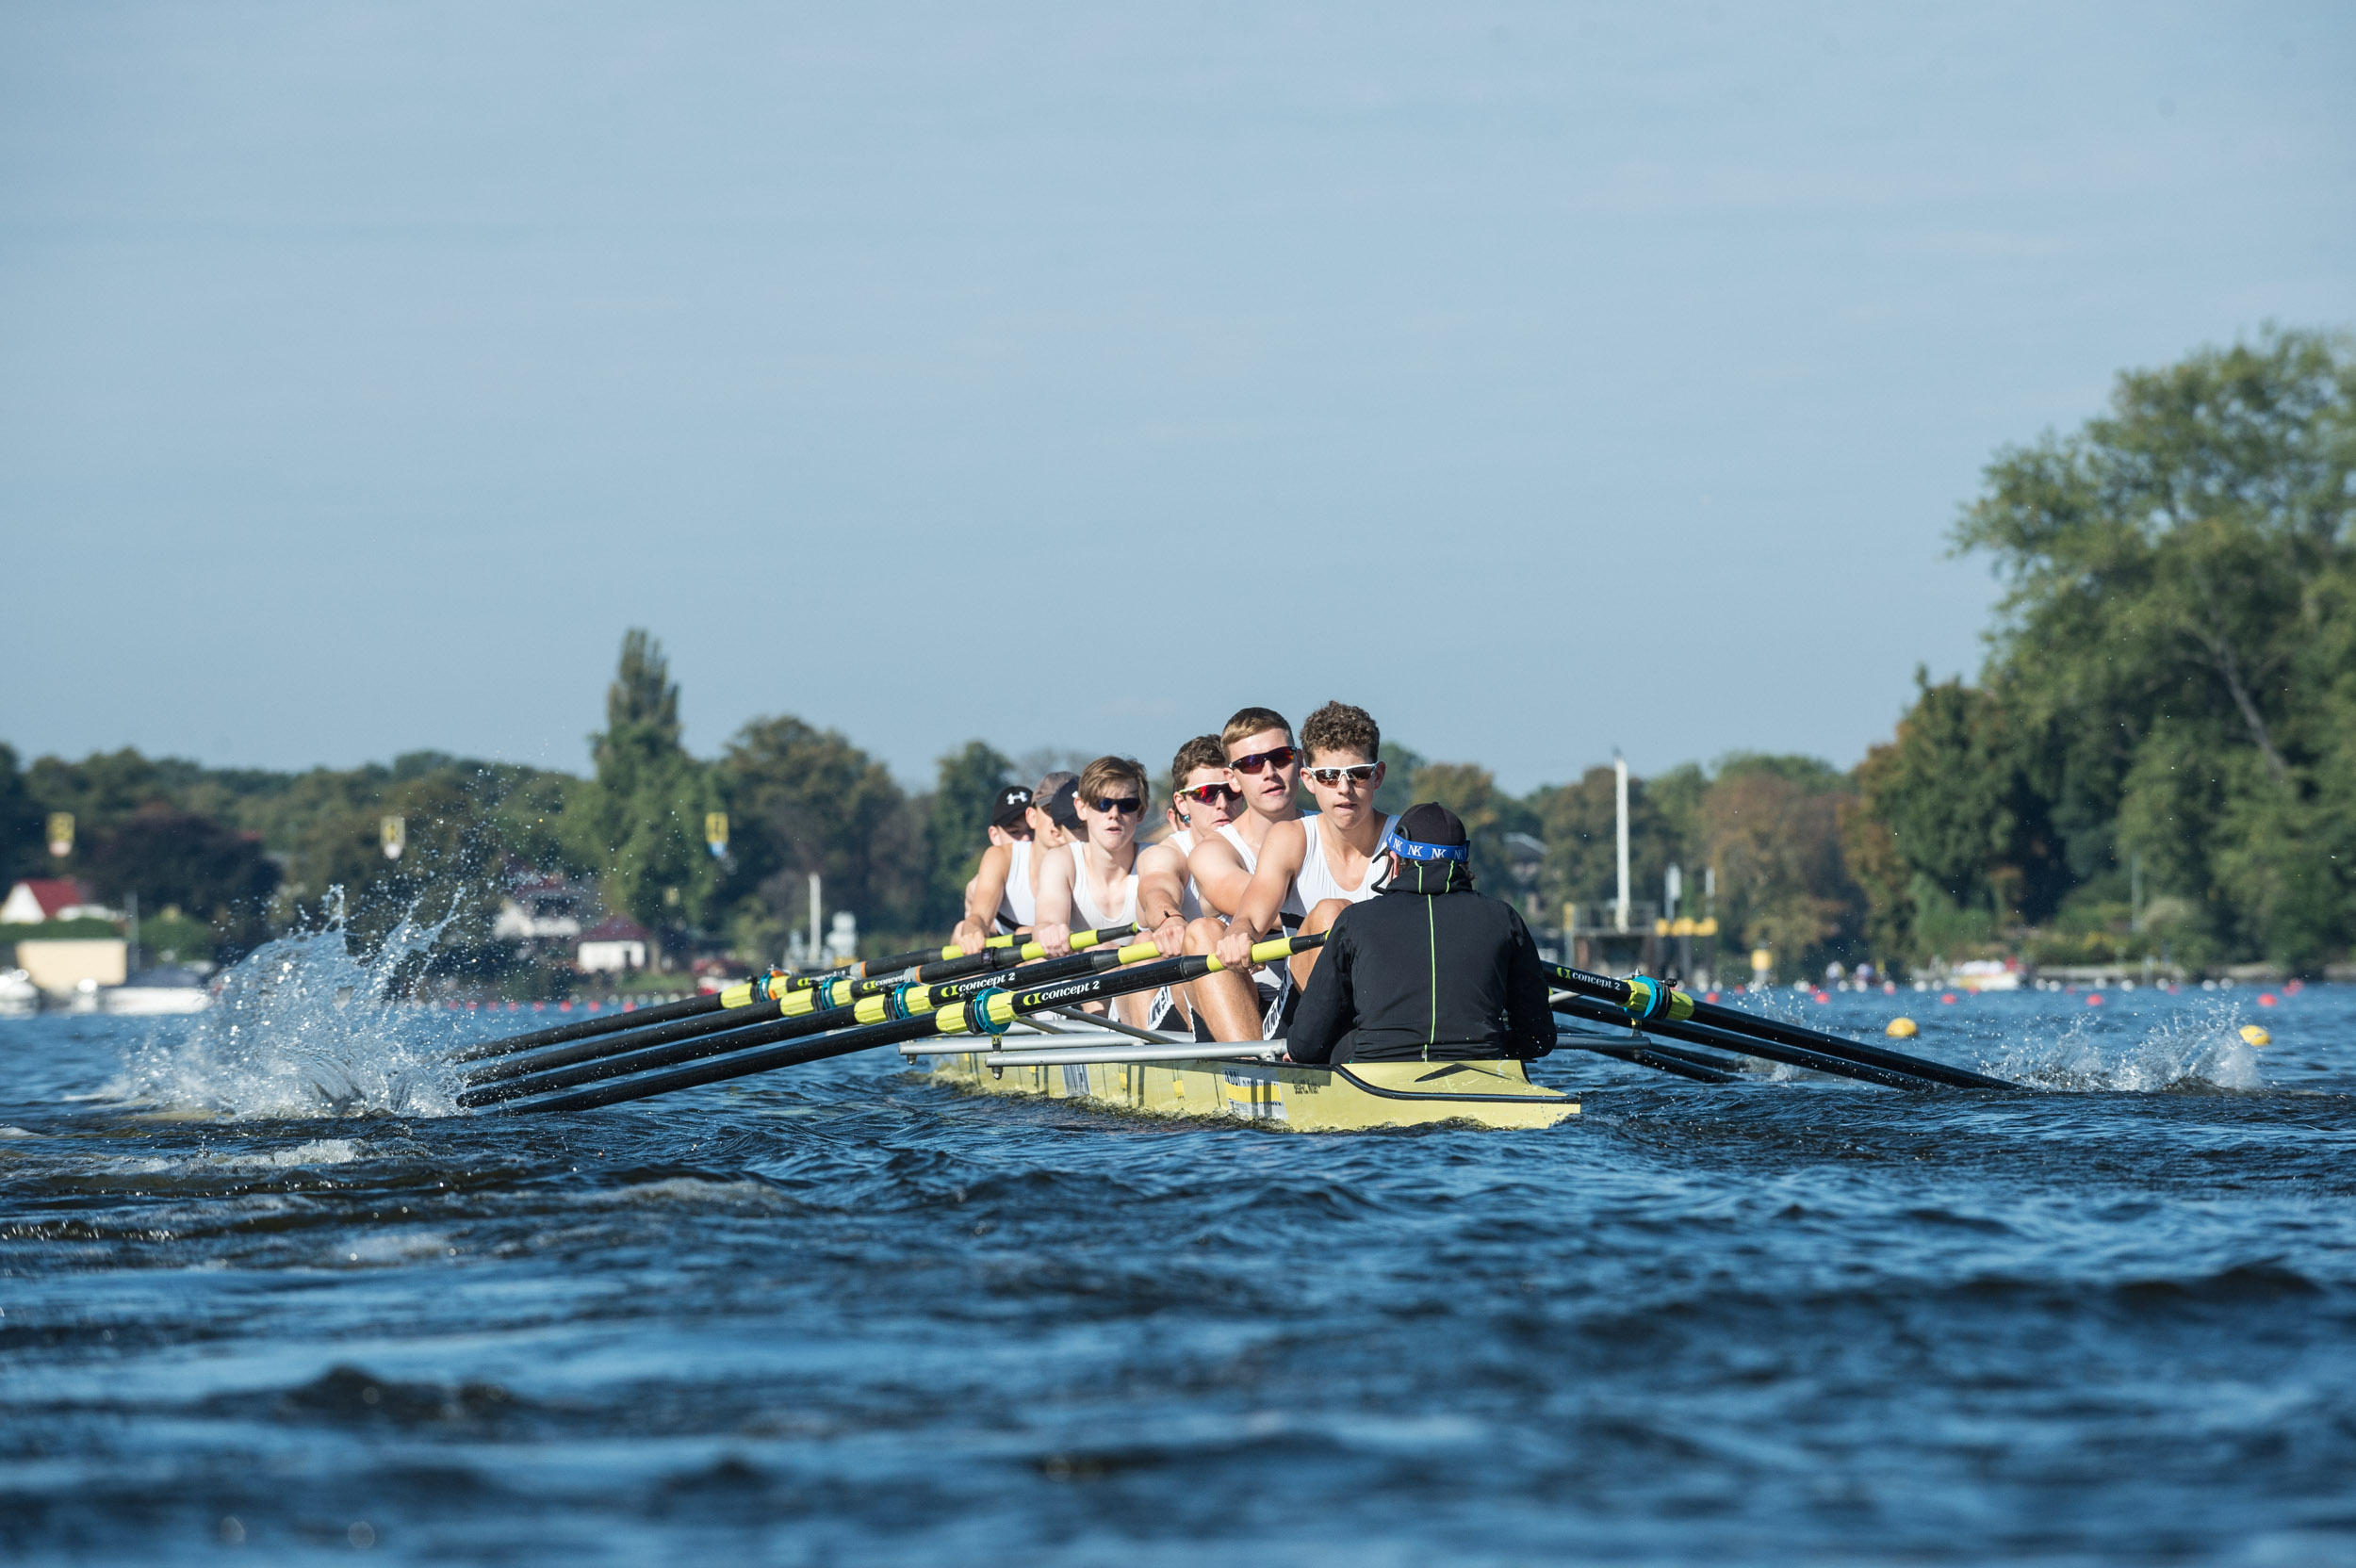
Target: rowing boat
(1110,1071)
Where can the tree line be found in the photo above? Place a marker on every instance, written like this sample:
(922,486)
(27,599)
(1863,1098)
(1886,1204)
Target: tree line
(2159,757)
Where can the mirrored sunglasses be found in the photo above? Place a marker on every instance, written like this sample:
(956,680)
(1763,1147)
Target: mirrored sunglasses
(1210,794)
(1283,757)
(1357,773)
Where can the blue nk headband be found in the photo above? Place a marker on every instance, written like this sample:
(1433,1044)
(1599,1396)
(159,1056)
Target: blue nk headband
(1413,851)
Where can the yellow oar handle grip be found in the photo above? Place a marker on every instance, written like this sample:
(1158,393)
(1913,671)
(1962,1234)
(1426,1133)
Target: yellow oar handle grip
(954,951)
(1276,949)
(1269,952)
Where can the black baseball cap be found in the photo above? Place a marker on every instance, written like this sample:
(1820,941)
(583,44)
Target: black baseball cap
(1006,810)
(1061,807)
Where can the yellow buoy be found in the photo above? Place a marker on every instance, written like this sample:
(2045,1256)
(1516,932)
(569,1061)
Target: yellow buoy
(1901,1029)
(2256,1035)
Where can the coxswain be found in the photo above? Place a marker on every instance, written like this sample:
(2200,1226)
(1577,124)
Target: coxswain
(1308,868)
(1430,970)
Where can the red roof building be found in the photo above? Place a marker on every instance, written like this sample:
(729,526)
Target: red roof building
(40,898)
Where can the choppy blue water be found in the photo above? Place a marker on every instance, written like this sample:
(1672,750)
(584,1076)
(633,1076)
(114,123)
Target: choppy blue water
(843,1316)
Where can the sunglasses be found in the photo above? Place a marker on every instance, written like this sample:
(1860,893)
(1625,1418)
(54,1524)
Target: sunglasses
(1129,807)
(1357,773)
(1209,794)
(1283,757)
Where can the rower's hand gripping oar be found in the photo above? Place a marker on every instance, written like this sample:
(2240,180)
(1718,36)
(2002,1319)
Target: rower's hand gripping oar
(804,1013)
(987,1014)
(1649,1003)
(938,964)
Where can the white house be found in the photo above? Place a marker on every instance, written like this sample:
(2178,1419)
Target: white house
(617,944)
(538,909)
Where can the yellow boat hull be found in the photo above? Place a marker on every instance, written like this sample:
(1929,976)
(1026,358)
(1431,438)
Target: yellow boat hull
(1359,1096)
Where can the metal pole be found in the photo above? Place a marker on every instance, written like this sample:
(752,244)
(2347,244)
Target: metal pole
(1619,771)
(817,958)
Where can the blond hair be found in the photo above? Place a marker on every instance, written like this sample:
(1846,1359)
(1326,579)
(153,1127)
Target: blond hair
(1249,721)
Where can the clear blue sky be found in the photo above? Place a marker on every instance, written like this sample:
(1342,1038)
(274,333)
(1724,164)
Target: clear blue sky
(1541,376)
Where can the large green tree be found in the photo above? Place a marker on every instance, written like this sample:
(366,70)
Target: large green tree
(23,851)
(802,800)
(2173,652)
(646,818)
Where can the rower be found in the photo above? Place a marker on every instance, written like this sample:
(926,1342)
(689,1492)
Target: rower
(1004,894)
(1431,970)
(1099,881)
(1263,765)
(1200,801)
(1319,863)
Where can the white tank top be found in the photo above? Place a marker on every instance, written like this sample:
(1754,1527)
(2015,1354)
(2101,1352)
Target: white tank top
(1190,896)
(1018,906)
(1318,883)
(1085,916)
(1292,906)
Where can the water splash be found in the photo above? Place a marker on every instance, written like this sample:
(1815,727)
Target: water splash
(2196,1051)
(304,1028)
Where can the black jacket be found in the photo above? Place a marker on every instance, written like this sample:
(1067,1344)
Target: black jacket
(1428,970)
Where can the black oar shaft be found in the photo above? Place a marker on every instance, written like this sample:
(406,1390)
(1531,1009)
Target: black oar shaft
(1745,1045)
(543,1076)
(1660,1058)
(983,1014)
(583,1028)
(763,997)
(1643,995)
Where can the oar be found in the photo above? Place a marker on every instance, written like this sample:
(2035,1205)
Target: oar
(1646,1001)
(1660,1058)
(986,1013)
(638,1018)
(1741,1045)
(766,1002)
(873,968)
(946,963)
(806,1013)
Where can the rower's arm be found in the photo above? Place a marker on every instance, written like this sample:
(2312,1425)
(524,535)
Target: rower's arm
(1218,874)
(1161,897)
(982,897)
(1054,930)
(1281,855)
